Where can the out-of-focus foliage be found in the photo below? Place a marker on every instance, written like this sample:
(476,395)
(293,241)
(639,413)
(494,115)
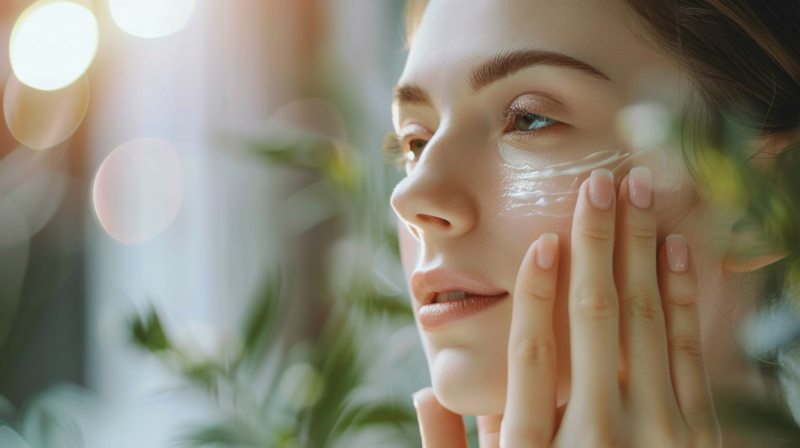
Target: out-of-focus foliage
(757,422)
(304,396)
(758,181)
(762,185)
(44,422)
(148,332)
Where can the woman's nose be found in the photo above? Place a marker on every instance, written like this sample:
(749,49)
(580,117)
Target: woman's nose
(436,198)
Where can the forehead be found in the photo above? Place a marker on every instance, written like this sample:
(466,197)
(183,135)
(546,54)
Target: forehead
(456,35)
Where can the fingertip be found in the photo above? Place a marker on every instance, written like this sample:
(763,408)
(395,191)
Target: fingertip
(439,427)
(601,189)
(423,395)
(677,272)
(677,253)
(547,251)
(426,403)
(549,237)
(622,188)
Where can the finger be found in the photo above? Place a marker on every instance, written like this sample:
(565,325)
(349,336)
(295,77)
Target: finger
(687,366)
(489,431)
(593,308)
(438,426)
(642,327)
(531,396)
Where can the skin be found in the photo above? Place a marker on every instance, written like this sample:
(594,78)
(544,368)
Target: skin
(633,350)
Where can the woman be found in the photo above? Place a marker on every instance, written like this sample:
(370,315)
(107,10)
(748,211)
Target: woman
(615,250)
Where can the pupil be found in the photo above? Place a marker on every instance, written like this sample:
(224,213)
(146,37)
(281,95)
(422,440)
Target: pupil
(529,122)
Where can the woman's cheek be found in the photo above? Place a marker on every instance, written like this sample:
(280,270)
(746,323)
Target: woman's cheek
(545,184)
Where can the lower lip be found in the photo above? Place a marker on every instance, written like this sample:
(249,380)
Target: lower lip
(438,315)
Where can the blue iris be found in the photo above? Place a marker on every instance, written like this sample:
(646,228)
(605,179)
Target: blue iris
(531,122)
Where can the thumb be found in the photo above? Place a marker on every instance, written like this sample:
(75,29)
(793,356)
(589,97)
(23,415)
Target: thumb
(439,427)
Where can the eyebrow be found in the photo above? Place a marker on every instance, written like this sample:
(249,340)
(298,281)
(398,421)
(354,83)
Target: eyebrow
(411,94)
(507,63)
(501,66)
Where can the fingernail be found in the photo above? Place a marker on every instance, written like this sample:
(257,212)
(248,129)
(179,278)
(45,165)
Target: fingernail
(414,400)
(677,254)
(640,187)
(546,251)
(601,189)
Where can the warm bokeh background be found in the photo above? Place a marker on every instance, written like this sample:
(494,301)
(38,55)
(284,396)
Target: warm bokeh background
(181,199)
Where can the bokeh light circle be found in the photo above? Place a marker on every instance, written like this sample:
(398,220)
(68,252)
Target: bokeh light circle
(43,119)
(52,44)
(138,190)
(644,124)
(151,18)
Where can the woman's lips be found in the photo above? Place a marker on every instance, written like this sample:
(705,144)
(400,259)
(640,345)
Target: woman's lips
(427,284)
(437,315)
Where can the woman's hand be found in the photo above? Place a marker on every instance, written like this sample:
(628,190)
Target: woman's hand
(629,306)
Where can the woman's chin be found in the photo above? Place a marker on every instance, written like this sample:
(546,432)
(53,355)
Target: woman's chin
(468,386)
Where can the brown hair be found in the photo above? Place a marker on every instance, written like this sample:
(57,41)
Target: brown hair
(743,58)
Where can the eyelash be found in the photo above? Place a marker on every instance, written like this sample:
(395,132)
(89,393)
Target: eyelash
(510,116)
(395,154)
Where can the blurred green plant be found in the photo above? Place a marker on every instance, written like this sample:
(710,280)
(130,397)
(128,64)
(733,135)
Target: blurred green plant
(757,422)
(760,184)
(45,421)
(305,396)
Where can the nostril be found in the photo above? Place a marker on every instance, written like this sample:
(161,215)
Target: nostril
(433,220)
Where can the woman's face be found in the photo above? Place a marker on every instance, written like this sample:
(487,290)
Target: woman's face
(507,106)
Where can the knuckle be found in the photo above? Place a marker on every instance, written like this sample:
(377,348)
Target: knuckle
(601,230)
(539,291)
(518,434)
(686,345)
(662,431)
(596,305)
(685,300)
(535,350)
(639,231)
(599,437)
(644,306)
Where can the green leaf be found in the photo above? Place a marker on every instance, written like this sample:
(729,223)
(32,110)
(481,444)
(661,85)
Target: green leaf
(48,427)
(263,313)
(341,371)
(148,333)
(10,439)
(300,150)
(752,417)
(364,297)
(360,417)
(378,303)
(232,433)
(205,375)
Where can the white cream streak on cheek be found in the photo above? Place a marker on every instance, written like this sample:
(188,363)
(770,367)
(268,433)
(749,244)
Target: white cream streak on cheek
(532,187)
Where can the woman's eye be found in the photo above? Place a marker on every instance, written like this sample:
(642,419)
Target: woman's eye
(415,148)
(530,122)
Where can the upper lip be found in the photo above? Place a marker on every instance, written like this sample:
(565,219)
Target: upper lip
(426,284)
